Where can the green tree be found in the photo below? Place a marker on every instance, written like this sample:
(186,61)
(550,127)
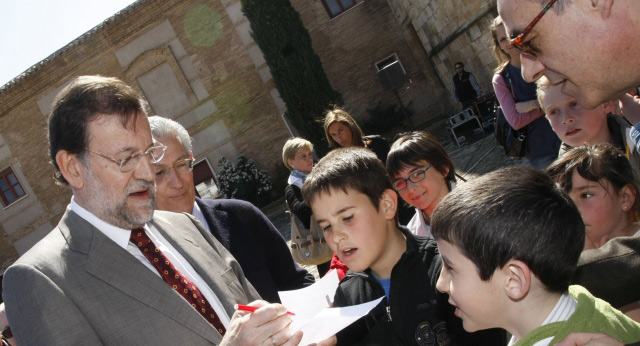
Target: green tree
(295,67)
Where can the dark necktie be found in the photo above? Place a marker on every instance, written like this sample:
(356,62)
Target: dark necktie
(175,278)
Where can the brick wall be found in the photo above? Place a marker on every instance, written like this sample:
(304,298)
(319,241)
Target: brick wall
(230,111)
(351,44)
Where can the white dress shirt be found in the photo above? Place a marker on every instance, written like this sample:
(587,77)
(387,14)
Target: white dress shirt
(565,307)
(121,237)
(199,215)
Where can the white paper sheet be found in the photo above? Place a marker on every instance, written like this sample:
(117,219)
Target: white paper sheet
(313,313)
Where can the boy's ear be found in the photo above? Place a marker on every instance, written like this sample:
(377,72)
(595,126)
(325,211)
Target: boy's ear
(71,168)
(289,163)
(389,203)
(446,171)
(517,279)
(627,196)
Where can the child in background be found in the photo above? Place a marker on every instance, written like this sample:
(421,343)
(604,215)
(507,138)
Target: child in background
(577,126)
(354,202)
(600,180)
(510,242)
(297,157)
(422,173)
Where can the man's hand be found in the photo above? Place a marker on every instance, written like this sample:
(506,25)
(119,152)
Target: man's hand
(331,341)
(589,339)
(267,326)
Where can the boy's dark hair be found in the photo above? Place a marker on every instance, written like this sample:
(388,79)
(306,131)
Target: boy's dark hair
(595,162)
(79,103)
(418,146)
(514,213)
(348,168)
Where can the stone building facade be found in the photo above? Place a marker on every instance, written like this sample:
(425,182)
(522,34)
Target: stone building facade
(451,31)
(196,62)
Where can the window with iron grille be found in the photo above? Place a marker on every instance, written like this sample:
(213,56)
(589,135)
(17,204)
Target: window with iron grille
(10,188)
(335,7)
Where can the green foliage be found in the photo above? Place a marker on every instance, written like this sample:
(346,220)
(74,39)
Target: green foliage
(295,67)
(244,181)
(384,119)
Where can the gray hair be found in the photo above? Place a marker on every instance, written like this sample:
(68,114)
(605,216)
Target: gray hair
(161,126)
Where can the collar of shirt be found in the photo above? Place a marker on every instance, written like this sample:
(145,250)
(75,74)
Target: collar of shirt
(119,235)
(565,307)
(199,215)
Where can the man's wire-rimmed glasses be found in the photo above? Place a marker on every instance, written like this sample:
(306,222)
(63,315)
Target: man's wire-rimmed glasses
(518,41)
(129,163)
(181,166)
(419,175)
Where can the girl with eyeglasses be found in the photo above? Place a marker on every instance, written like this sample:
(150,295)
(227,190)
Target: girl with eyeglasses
(422,173)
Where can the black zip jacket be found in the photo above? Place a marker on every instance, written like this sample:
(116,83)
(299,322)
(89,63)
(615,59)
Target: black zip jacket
(417,314)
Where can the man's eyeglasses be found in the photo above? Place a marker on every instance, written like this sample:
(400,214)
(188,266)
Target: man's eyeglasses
(518,41)
(401,183)
(182,166)
(129,163)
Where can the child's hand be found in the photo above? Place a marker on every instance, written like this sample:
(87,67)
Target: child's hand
(589,339)
(527,106)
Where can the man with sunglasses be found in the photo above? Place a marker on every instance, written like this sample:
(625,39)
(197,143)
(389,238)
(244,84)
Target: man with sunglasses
(114,272)
(589,46)
(464,88)
(241,227)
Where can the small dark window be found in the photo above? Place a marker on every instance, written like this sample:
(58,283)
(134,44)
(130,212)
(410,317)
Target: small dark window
(10,188)
(205,182)
(335,7)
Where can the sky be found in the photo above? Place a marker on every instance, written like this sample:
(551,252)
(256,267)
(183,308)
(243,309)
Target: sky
(31,30)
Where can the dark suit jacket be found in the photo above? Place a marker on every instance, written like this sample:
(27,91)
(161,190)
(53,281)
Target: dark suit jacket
(611,272)
(78,287)
(256,244)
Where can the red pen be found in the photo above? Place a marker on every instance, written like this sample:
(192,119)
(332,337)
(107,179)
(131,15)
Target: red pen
(243,307)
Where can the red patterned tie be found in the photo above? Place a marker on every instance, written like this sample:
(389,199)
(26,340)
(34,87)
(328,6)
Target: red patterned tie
(175,278)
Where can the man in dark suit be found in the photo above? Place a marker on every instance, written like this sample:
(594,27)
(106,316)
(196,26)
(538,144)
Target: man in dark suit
(241,227)
(101,276)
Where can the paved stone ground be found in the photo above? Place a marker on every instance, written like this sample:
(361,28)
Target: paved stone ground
(475,157)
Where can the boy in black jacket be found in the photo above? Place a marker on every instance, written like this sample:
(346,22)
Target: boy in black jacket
(354,202)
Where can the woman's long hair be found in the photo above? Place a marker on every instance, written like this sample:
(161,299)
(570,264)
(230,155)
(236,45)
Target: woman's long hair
(338,114)
(502,57)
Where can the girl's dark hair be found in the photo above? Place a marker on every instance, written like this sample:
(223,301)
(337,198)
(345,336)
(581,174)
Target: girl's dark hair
(594,163)
(416,146)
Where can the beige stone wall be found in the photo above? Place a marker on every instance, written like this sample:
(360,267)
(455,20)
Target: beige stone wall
(451,31)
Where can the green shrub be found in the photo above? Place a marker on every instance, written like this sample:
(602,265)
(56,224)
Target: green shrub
(244,181)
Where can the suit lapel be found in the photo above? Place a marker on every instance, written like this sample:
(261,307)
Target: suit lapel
(218,220)
(118,268)
(204,259)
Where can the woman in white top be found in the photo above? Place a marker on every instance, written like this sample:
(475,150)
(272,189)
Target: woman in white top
(422,173)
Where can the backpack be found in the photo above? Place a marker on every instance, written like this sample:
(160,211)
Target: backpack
(513,142)
(308,246)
